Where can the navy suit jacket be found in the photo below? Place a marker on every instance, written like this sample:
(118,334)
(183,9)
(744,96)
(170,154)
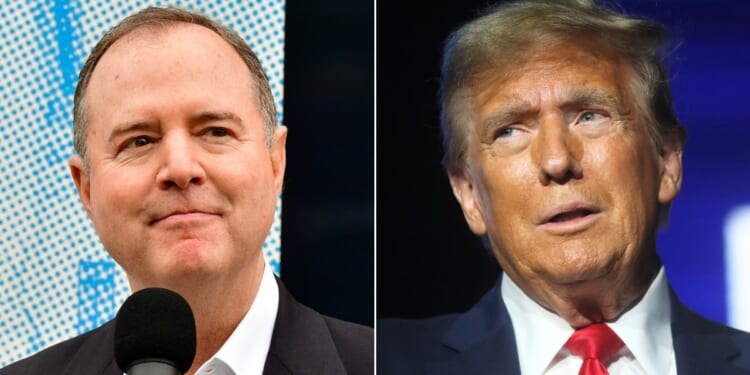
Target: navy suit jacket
(303,342)
(482,341)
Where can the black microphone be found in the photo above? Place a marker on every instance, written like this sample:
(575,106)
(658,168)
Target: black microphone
(155,334)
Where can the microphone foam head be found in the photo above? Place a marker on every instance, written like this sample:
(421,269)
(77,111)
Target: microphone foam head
(155,323)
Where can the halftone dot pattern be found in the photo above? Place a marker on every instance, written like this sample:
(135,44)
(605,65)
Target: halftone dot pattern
(56,279)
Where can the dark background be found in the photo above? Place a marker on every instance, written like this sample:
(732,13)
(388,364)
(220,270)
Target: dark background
(428,261)
(327,209)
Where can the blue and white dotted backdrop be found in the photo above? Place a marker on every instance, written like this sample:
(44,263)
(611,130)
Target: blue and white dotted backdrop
(56,279)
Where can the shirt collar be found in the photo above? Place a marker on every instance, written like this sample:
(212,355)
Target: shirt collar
(540,334)
(246,349)
(646,329)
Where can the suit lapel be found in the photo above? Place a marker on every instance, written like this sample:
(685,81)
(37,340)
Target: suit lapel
(702,346)
(481,341)
(96,355)
(301,341)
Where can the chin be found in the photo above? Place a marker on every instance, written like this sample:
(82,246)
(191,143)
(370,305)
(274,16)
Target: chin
(583,262)
(174,278)
(186,267)
(577,274)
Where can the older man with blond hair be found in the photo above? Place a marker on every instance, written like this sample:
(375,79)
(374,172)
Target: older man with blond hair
(564,152)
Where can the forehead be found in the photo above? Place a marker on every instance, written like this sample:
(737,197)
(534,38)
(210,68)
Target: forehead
(550,73)
(150,59)
(177,40)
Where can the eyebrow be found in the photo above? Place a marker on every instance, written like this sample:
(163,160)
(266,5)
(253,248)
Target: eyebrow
(127,127)
(577,97)
(511,110)
(197,119)
(584,97)
(209,116)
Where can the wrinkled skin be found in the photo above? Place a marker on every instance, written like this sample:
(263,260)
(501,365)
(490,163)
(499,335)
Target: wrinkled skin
(564,179)
(182,186)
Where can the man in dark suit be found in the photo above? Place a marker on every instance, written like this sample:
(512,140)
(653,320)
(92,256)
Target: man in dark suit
(564,153)
(303,342)
(180,163)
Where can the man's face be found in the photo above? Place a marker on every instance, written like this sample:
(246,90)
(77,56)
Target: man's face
(562,174)
(182,186)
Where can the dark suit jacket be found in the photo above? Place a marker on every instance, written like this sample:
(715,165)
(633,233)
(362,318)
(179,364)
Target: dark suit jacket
(303,342)
(482,341)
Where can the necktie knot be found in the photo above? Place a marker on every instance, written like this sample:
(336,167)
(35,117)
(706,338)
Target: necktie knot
(597,344)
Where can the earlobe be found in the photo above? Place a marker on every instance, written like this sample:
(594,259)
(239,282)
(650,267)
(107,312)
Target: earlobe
(671,174)
(82,181)
(463,190)
(278,157)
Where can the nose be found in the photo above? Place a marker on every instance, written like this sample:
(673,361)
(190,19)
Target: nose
(180,165)
(556,152)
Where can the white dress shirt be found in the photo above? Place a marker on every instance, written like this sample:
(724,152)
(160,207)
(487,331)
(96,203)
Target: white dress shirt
(246,349)
(645,329)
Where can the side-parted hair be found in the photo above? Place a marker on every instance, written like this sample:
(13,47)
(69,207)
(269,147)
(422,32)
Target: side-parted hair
(506,33)
(163,19)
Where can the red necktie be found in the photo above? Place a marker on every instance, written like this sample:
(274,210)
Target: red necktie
(597,344)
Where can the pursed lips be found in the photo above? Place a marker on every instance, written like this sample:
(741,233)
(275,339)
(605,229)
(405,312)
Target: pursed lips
(183,215)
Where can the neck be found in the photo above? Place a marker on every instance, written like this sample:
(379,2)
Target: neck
(603,299)
(218,305)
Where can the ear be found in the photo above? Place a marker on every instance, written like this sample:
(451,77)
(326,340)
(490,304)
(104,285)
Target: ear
(671,173)
(278,157)
(82,181)
(465,192)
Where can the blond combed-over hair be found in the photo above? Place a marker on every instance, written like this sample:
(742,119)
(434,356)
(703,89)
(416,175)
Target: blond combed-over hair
(506,33)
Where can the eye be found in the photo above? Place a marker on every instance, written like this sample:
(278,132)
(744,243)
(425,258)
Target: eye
(590,116)
(506,132)
(217,132)
(138,142)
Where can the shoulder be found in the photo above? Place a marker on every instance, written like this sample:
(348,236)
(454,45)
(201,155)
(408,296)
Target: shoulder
(90,348)
(471,342)
(354,343)
(702,345)
(350,334)
(404,345)
(688,323)
(409,333)
(305,341)
(433,337)
(707,328)
(742,340)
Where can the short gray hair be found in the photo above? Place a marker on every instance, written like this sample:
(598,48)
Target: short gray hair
(163,18)
(491,42)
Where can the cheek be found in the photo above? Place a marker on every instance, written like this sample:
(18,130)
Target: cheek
(113,196)
(498,194)
(510,184)
(117,199)
(630,175)
(507,199)
(250,191)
